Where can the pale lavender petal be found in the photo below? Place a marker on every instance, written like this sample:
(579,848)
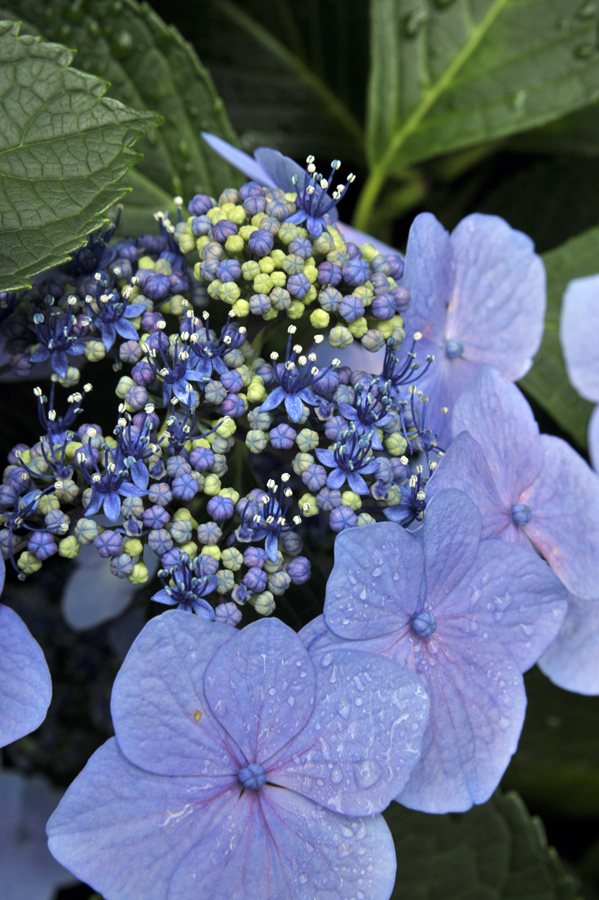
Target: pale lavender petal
(273,400)
(290,849)
(593,435)
(464,467)
(374,587)
(161,716)
(477,711)
(260,686)
(239,159)
(125,832)
(349,233)
(444,383)
(565,517)
(451,535)
(29,872)
(25,683)
(511,594)
(112,506)
(326,457)
(336,479)
(293,406)
(363,740)
(498,417)
(498,302)
(281,169)
(579,335)
(429,276)
(572,660)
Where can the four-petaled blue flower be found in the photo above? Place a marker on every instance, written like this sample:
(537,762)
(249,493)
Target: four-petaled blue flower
(109,314)
(243,769)
(351,455)
(185,584)
(107,487)
(58,335)
(296,377)
(469,616)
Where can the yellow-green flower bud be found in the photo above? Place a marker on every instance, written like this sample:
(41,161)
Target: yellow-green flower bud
(256,391)
(279,279)
(310,296)
(124,384)
(301,461)
(267,266)
(256,440)
(366,519)
(246,231)
(85,531)
(69,547)
(234,244)
(146,262)
(295,310)
(263,284)
(340,337)
(271,566)
(229,292)
(47,503)
(270,315)
(263,603)
(324,243)
(354,501)
(311,273)
(191,548)
(211,550)
(216,214)
(308,506)
(28,563)
(139,575)
(287,232)
(319,318)
(187,243)
(278,257)
(94,351)
(358,327)
(232,559)
(212,485)
(213,289)
(227,427)
(237,215)
(250,270)
(66,490)
(133,547)
(241,308)
(396,444)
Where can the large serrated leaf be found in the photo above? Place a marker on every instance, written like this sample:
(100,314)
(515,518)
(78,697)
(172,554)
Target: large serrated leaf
(547,382)
(492,852)
(63,148)
(448,74)
(557,761)
(148,65)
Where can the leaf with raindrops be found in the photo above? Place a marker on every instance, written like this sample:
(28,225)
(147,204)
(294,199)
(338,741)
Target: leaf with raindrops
(150,66)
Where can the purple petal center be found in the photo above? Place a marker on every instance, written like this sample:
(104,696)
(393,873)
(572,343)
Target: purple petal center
(252,777)
(454,348)
(424,624)
(521,514)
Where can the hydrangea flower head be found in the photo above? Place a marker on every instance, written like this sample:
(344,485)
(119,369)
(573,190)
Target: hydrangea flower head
(25,684)
(241,769)
(478,297)
(528,487)
(468,616)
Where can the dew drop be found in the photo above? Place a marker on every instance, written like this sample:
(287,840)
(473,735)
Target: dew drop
(344,709)
(326,660)
(363,594)
(336,775)
(414,22)
(376,572)
(303,879)
(504,722)
(272,691)
(291,701)
(358,701)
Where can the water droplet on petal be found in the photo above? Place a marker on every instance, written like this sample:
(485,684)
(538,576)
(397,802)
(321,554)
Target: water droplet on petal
(336,775)
(326,660)
(303,879)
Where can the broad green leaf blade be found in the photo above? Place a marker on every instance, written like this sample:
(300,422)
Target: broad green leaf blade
(547,382)
(452,73)
(148,65)
(63,148)
(492,852)
(557,761)
(577,133)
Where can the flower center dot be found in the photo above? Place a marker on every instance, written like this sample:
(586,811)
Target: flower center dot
(252,776)
(454,348)
(521,514)
(424,624)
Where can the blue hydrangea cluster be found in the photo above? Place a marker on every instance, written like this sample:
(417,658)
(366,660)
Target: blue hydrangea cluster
(255,762)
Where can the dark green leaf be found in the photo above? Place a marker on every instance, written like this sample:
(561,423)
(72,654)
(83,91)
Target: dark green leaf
(547,381)
(452,73)
(64,147)
(149,65)
(557,761)
(577,133)
(492,852)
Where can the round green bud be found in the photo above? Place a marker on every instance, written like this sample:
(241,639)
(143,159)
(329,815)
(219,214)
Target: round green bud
(271,566)
(366,519)
(263,603)
(47,503)
(263,284)
(212,485)
(301,461)
(307,440)
(66,490)
(319,318)
(211,550)
(392,494)
(237,215)
(324,244)
(267,266)
(311,273)
(256,392)
(256,441)
(246,231)
(69,547)
(133,547)
(270,315)
(139,575)
(308,506)
(340,337)
(229,292)
(232,559)
(187,243)
(227,428)
(190,548)
(28,563)
(124,384)
(241,307)
(234,244)
(85,531)
(373,340)
(225,581)
(146,262)
(230,493)
(250,269)
(354,501)
(358,327)
(396,444)
(295,310)
(71,379)
(287,232)
(94,351)
(278,257)
(213,289)
(279,279)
